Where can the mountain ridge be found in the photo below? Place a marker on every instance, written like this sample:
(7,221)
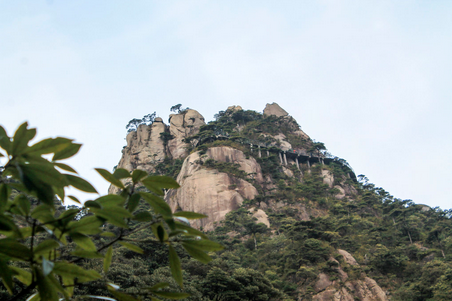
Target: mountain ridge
(259,178)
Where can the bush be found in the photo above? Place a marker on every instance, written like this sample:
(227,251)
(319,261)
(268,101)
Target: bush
(42,246)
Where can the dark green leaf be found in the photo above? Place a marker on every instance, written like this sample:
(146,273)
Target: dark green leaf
(67,152)
(21,275)
(111,200)
(92,204)
(68,216)
(132,247)
(83,241)
(80,183)
(87,225)
(48,146)
(108,234)
(121,173)
(5,192)
(143,216)
(5,141)
(56,284)
(73,271)
(138,174)
(6,224)
(175,266)
(21,138)
(190,215)
(46,246)
(23,204)
(197,254)
(160,182)
(107,260)
(7,277)
(158,286)
(158,204)
(43,172)
(65,167)
(122,296)
(204,245)
(190,230)
(176,232)
(43,213)
(74,199)
(114,215)
(68,282)
(161,233)
(47,291)
(14,249)
(109,177)
(133,202)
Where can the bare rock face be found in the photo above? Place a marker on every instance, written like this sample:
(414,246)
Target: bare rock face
(365,289)
(341,193)
(209,191)
(183,125)
(234,108)
(261,216)
(274,109)
(144,149)
(348,257)
(328,178)
(235,156)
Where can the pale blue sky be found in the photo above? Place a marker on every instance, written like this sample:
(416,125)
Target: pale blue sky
(370,79)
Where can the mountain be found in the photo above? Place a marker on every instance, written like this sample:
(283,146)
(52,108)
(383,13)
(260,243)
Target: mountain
(286,208)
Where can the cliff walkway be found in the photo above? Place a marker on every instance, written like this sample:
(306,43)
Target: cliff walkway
(299,157)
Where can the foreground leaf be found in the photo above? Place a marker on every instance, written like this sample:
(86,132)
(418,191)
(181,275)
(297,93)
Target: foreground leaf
(175,266)
(109,177)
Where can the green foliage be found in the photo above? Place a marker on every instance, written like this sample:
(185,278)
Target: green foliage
(54,254)
(134,123)
(178,109)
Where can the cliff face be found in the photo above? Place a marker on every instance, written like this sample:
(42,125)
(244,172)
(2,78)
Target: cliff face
(145,147)
(208,191)
(182,126)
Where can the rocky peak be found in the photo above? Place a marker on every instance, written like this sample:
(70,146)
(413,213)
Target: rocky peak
(234,108)
(274,109)
(183,125)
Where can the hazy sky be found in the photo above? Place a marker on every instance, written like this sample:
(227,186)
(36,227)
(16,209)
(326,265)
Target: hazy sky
(370,79)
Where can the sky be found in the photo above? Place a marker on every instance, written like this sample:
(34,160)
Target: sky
(370,79)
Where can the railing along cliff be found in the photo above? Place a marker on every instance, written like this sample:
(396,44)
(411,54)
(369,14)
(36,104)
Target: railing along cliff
(298,156)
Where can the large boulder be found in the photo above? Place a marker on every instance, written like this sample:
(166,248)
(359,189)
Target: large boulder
(364,288)
(183,125)
(211,192)
(144,149)
(274,109)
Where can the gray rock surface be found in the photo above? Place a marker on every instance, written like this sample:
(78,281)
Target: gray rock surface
(274,109)
(211,192)
(183,125)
